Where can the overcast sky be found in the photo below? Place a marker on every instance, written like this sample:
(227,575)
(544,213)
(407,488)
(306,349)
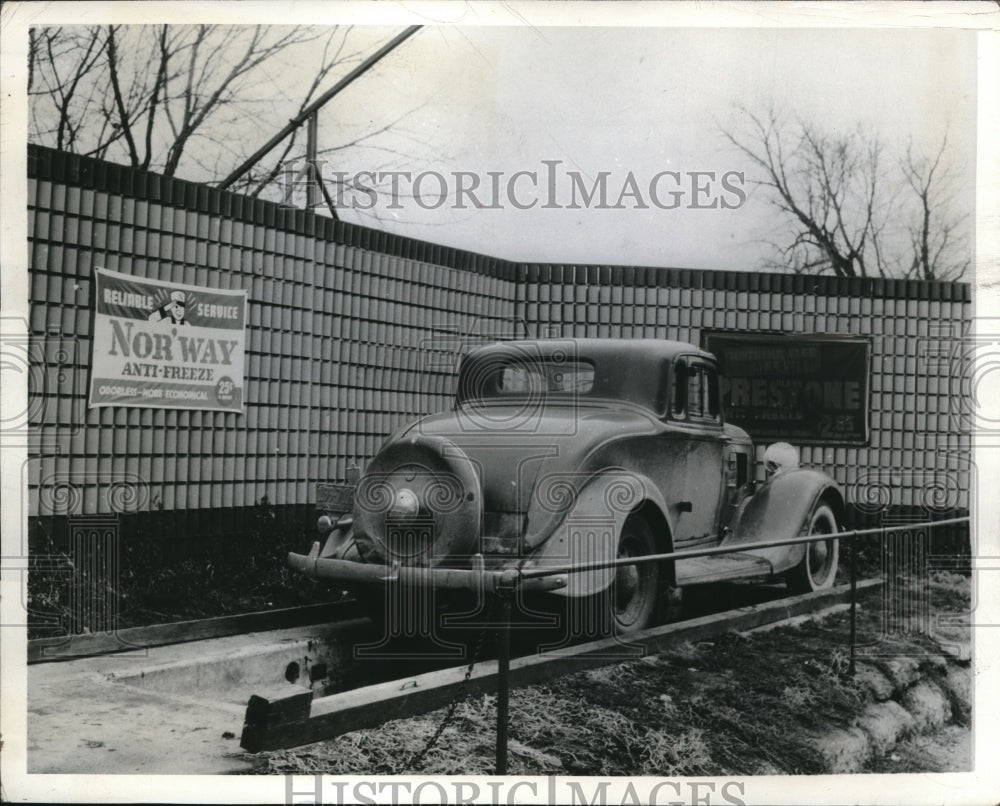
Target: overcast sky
(643,100)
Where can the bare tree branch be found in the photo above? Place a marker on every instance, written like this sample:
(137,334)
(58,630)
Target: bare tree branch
(841,204)
(931,233)
(123,117)
(149,90)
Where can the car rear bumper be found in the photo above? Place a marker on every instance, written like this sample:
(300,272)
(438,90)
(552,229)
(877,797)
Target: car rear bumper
(348,571)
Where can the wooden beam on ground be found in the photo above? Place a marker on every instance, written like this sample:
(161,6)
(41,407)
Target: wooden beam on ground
(72,647)
(283,718)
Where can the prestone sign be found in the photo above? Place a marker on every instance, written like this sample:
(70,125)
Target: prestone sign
(165,345)
(811,389)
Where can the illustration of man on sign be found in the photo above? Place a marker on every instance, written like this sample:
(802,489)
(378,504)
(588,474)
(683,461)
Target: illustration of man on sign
(174,309)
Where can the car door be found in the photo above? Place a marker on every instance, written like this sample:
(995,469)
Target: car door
(696,411)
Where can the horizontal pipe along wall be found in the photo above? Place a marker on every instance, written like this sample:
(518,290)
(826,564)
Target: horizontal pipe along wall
(353,332)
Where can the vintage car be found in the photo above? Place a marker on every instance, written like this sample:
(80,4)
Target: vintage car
(561,452)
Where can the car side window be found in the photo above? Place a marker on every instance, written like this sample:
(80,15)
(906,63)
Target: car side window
(696,392)
(678,403)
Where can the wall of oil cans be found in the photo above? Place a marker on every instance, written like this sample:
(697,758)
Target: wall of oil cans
(917,462)
(352,332)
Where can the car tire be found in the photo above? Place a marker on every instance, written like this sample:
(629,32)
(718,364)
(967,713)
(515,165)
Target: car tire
(632,599)
(818,567)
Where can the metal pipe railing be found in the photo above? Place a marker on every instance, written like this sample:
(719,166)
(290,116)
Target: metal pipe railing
(732,548)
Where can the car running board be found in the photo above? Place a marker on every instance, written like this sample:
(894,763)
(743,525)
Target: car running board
(721,568)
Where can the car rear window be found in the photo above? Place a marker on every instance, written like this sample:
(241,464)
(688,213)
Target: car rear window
(518,378)
(546,377)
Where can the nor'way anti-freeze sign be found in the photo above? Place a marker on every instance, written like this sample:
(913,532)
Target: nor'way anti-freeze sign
(165,345)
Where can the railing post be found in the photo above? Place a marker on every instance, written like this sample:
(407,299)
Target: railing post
(854,601)
(505,591)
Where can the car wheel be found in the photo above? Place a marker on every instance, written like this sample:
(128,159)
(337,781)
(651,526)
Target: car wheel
(632,598)
(818,568)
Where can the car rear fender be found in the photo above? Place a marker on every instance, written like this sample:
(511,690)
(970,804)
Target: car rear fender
(589,532)
(779,510)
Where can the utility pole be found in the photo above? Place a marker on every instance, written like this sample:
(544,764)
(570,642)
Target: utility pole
(310,111)
(313,177)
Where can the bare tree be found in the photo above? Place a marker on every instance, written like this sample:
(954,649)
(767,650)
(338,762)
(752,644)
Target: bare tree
(842,202)
(145,94)
(933,231)
(70,57)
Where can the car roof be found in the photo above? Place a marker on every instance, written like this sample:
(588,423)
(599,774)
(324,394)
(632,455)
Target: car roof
(631,350)
(629,370)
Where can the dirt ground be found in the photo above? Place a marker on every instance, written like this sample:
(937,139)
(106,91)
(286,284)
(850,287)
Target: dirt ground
(773,701)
